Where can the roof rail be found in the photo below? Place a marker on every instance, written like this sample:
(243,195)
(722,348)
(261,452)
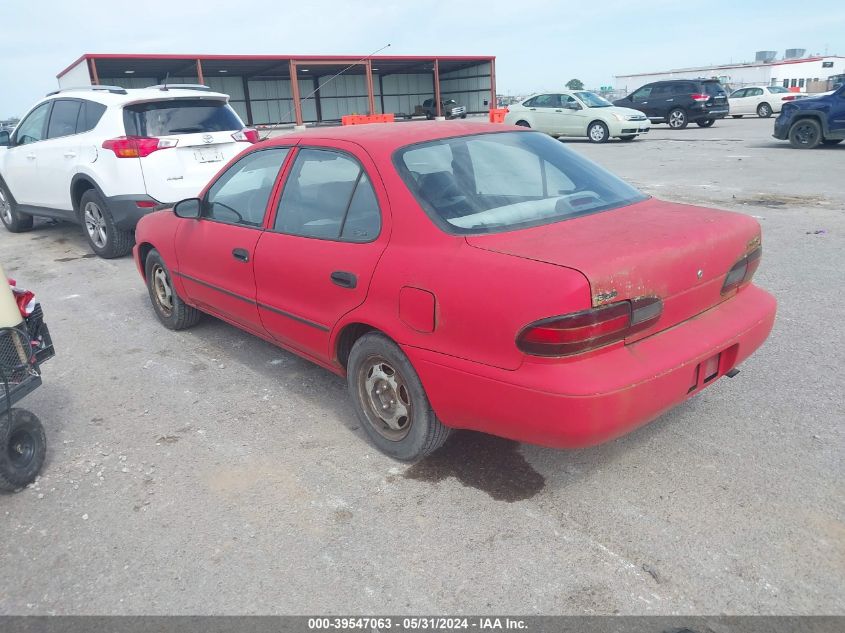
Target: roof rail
(182,87)
(117,90)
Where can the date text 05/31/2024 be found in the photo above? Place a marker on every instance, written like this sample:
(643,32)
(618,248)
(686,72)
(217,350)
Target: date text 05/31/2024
(418,623)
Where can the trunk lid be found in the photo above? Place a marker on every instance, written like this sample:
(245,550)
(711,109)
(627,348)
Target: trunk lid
(680,253)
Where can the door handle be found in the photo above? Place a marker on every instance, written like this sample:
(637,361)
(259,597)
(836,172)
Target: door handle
(241,254)
(533,109)
(344,279)
(558,110)
(31,156)
(70,154)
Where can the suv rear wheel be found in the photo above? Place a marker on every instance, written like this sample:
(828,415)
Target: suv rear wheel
(105,238)
(13,220)
(805,134)
(706,123)
(677,119)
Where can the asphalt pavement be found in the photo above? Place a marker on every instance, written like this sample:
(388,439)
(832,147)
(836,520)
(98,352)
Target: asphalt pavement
(207,472)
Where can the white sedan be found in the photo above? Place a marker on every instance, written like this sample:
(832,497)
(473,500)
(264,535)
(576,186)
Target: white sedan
(760,100)
(578,113)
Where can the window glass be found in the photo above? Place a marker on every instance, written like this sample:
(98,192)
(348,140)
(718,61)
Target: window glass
(240,195)
(642,93)
(89,115)
(755,92)
(33,127)
(713,88)
(545,101)
(363,220)
(188,116)
(504,181)
(327,195)
(63,118)
(777,89)
(593,100)
(739,94)
(663,90)
(565,100)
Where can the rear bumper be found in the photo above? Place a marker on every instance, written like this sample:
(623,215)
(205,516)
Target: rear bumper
(717,112)
(577,403)
(127,210)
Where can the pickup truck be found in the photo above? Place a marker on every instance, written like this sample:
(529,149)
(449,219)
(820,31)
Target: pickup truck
(813,121)
(448,108)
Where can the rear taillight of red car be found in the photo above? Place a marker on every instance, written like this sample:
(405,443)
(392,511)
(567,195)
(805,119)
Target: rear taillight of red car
(742,272)
(246,135)
(138,146)
(700,97)
(589,329)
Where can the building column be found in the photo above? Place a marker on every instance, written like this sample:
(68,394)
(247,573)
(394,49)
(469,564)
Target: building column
(249,119)
(92,71)
(317,105)
(371,98)
(494,102)
(200,77)
(294,93)
(437,87)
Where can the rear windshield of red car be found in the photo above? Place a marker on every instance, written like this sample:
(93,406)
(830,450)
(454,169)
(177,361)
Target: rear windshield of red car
(180,116)
(495,182)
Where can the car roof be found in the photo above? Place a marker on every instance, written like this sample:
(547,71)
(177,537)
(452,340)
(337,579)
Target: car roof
(392,136)
(133,95)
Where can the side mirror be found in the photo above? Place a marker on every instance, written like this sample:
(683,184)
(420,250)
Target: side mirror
(571,105)
(5,140)
(189,208)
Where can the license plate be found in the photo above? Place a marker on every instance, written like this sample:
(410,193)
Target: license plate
(208,155)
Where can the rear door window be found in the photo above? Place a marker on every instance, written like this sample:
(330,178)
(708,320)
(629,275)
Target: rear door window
(63,118)
(182,116)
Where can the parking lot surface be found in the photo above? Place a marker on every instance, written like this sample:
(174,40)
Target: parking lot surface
(206,471)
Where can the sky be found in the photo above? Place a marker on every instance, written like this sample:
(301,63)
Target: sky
(539,44)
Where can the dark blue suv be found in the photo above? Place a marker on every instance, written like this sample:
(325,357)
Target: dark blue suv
(814,121)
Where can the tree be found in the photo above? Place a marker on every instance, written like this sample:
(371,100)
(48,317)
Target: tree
(575,84)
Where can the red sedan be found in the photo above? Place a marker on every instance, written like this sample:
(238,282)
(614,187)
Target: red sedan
(465,276)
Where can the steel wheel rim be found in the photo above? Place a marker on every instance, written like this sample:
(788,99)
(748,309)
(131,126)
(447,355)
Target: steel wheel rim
(805,134)
(386,399)
(597,132)
(95,224)
(162,290)
(764,111)
(5,208)
(676,119)
(21,449)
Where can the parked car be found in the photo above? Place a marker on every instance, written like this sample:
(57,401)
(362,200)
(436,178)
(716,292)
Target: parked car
(813,121)
(680,102)
(759,100)
(449,108)
(578,113)
(463,275)
(104,156)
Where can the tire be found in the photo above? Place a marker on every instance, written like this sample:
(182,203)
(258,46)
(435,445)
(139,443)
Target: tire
(105,238)
(381,378)
(429,116)
(597,132)
(832,141)
(522,123)
(805,134)
(677,119)
(706,123)
(764,110)
(463,116)
(736,116)
(173,313)
(13,220)
(23,447)
(629,137)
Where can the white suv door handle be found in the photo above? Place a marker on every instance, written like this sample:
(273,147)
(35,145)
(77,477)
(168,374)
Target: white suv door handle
(70,154)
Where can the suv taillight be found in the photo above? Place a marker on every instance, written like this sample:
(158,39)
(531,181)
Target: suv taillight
(700,97)
(137,146)
(247,135)
(586,330)
(743,270)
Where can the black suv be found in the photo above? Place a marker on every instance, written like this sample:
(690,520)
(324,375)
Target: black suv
(679,102)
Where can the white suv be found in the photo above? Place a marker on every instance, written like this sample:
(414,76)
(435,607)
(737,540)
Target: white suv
(104,156)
